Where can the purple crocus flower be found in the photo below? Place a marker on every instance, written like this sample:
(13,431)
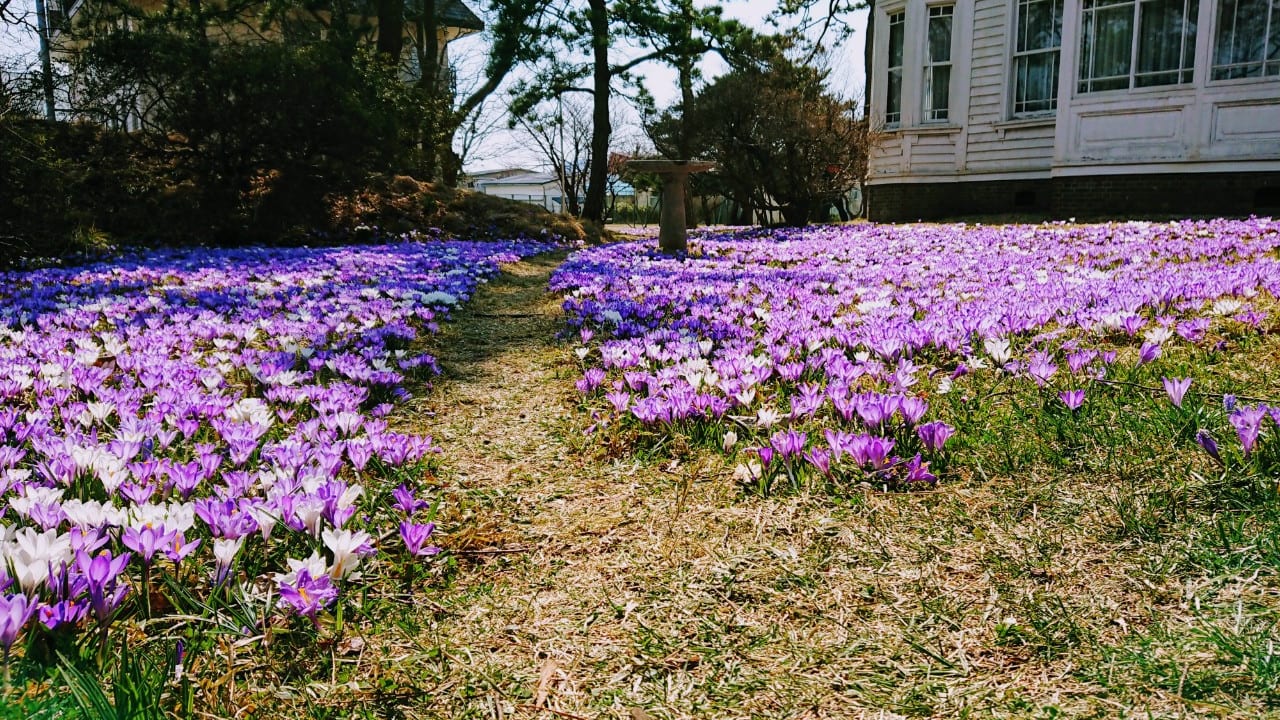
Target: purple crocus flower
(415,538)
(788,443)
(1073,399)
(178,548)
(934,435)
(1176,389)
(1148,353)
(871,450)
(101,573)
(1041,368)
(766,455)
(406,503)
(839,442)
(591,379)
(820,459)
(146,541)
(1248,423)
(918,471)
(15,611)
(1206,441)
(308,595)
(912,409)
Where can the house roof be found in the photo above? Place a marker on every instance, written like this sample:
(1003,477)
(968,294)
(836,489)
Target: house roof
(454,14)
(498,172)
(533,178)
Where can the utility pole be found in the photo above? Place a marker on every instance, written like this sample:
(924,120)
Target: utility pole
(46,64)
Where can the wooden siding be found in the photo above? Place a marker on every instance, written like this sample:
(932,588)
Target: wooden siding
(993,148)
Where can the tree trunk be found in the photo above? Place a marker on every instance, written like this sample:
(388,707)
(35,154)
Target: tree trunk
(46,64)
(684,65)
(796,214)
(435,131)
(390,30)
(593,207)
(842,207)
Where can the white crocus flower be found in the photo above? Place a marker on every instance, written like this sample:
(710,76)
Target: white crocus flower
(748,472)
(314,565)
(225,551)
(767,417)
(1158,334)
(32,554)
(1226,306)
(998,349)
(730,439)
(347,547)
(309,512)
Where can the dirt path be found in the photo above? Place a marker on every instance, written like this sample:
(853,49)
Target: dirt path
(599,585)
(571,597)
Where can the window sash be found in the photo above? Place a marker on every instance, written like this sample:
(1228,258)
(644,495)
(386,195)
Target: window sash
(1137,43)
(1036,52)
(893,98)
(937,66)
(1247,42)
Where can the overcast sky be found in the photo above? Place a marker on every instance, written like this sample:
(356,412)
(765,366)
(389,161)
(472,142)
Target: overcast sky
(507,148)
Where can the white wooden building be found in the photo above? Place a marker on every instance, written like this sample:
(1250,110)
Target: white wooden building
(535,188)
(1074,107)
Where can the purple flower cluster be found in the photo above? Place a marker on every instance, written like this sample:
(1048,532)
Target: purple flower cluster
(177,411)
(852,328)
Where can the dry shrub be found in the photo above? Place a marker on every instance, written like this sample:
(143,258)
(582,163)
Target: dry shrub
(401,203)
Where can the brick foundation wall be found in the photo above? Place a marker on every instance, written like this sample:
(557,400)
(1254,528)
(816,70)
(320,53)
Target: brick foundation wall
(1095,197)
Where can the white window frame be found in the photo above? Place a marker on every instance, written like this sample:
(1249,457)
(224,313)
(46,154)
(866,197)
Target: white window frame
(1084,85)
(1016,55)
(894,119)
(932,114)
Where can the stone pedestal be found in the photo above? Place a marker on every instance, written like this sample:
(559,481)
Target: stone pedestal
(672,235)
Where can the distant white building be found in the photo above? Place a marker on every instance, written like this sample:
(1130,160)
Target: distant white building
(1074,107)
(535,188)
(539,188)
(475,179)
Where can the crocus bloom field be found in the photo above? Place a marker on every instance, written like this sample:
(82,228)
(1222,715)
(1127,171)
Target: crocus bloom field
(833,354)
(848,471)
(183,433)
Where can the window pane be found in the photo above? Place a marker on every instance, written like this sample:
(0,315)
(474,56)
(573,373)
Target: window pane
(940,39)
(1165,27)
(1107,48)
(895,40)
(893,99)
(1189,47)
(1036,83)
(937,92)
(1035,62)
(1037,26)
(893,107)
(1273,42)
(1241,39)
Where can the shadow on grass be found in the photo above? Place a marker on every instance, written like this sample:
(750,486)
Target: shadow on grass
(512,313)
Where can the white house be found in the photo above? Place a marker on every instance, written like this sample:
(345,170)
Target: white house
(1074,107)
